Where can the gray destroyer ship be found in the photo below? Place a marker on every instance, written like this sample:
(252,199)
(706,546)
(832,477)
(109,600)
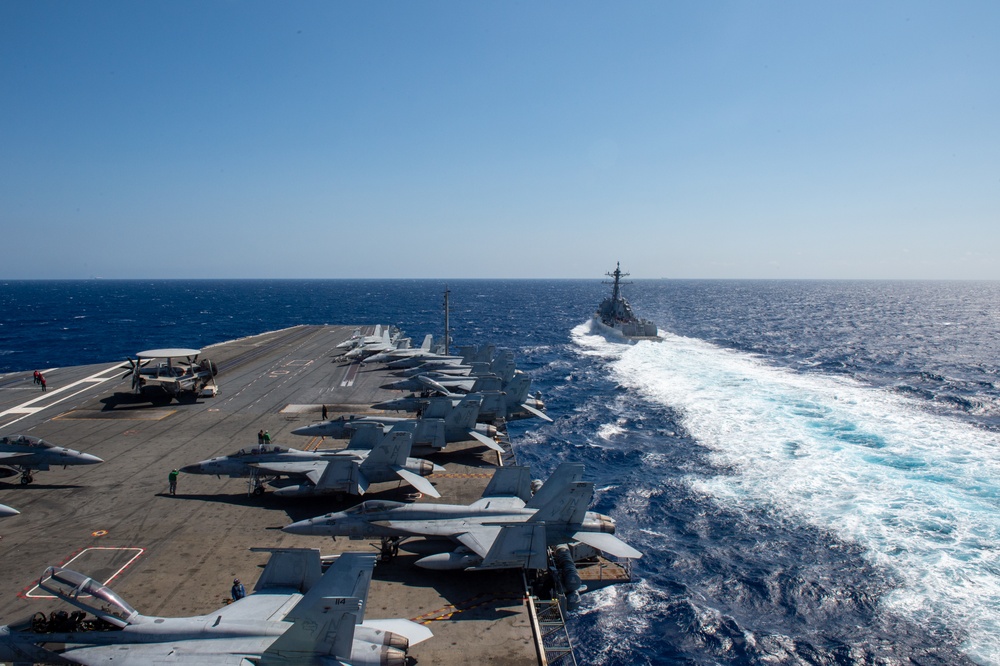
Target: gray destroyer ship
(614,314)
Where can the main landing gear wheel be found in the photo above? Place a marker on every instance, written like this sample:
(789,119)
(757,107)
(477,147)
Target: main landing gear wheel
(26,479)
(259,490)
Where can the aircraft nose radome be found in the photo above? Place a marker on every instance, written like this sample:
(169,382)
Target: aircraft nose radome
(87,459)
(306,527)
(309,430)
(192,469)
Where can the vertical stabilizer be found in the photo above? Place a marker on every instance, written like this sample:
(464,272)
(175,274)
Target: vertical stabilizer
(486,383)
(323,621)
(365,436)
(568,508)
(348,576)
(326,628)
(517,389)
(430,433)
(557,484)
(290,568)
(392,449)
(510,482)
(464,414)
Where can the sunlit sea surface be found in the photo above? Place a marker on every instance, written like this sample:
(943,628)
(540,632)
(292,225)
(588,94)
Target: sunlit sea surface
(811,468)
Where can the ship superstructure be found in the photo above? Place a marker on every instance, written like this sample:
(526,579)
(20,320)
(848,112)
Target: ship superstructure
(616,314)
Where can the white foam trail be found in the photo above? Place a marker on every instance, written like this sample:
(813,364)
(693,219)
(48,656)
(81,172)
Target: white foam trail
(920,492)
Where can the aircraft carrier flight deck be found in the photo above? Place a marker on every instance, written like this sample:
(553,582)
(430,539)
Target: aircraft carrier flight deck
(177,555)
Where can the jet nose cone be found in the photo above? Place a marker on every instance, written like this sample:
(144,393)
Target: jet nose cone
(87,459)
(7,511)
(306,527)
(192,469)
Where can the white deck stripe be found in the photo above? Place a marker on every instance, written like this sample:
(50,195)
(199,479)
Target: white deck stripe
(26,409)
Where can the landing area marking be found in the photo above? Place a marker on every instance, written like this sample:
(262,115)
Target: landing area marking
(144,414)
(54,396)
(96,562)
(350,375)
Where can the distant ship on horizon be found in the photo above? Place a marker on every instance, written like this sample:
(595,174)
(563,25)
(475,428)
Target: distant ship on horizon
(615,315)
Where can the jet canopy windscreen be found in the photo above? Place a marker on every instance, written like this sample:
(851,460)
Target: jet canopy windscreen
(87,594)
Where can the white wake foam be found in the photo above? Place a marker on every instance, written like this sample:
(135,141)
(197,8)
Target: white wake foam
(920,492)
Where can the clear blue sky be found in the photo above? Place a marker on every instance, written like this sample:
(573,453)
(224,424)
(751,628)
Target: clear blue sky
(500,139)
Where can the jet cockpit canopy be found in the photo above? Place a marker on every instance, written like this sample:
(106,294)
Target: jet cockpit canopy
(373,506)
(88,595)
(25,440)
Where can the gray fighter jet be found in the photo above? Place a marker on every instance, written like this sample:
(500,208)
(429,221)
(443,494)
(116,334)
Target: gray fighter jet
(456,425)
(502,530)
(408,358)
(511,403)
(24,454)
(296,615)
(356,339)
(451,369)
(443,382)
(366,349)
(370,457)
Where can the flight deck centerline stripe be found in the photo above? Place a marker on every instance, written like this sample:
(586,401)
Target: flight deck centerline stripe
(46,395)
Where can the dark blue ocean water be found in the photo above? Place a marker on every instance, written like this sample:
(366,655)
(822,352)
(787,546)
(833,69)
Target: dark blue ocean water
(811,468)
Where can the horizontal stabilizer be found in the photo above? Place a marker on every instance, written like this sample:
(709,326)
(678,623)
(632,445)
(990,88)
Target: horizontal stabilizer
(607,543)
(415,633)
(417,481)
(488,441)
(537,412)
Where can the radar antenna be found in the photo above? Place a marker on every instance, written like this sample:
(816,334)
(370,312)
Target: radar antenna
(617,275)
